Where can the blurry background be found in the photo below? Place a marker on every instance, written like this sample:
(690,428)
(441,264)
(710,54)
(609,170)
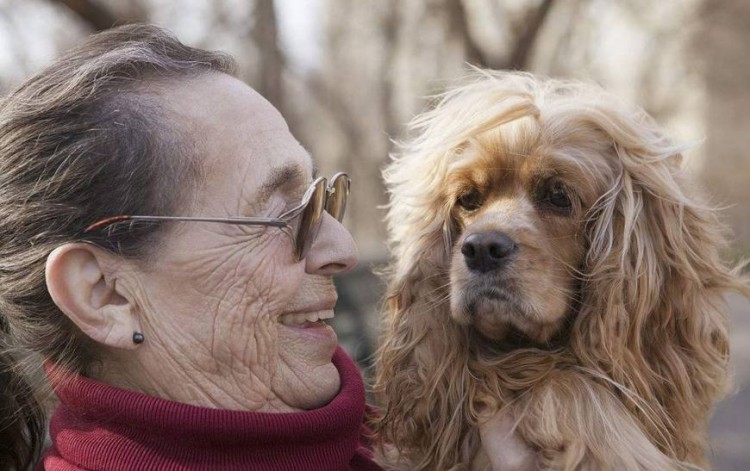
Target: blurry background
(348,74)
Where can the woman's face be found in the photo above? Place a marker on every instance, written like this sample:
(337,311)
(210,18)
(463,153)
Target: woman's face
(226,306)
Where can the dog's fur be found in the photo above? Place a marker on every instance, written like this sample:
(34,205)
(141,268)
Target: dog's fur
(604,337)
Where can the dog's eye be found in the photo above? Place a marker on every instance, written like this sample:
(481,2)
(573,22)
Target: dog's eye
(558,197)
(470,200)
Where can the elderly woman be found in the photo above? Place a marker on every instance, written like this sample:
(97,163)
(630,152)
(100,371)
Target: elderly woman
(167,254)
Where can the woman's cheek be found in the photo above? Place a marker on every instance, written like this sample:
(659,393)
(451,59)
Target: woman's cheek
(275,277)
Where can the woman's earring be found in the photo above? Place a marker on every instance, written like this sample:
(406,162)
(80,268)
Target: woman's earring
(137,338)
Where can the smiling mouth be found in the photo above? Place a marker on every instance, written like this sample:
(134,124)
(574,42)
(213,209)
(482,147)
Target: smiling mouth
(307,319)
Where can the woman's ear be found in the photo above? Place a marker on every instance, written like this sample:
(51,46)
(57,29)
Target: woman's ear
(83,284)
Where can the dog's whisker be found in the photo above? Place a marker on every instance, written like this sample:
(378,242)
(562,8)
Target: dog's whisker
(437,302)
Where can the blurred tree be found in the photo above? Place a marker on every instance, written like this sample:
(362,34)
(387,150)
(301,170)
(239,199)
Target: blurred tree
(722,47)
(91,13)
(101,16)
(264,33)
(526,31)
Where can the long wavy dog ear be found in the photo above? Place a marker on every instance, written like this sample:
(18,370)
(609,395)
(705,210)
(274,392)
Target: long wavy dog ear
(421,372)
(652,311)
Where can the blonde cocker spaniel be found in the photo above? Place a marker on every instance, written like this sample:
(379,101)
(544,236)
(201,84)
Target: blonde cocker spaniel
(551,264)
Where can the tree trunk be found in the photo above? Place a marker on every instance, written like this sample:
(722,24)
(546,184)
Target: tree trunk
(264,33)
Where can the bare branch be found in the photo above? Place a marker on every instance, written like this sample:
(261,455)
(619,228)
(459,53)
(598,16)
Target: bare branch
(460,24)
(93,14)
(524,44)
(264,33)
(522,51)
(391,25)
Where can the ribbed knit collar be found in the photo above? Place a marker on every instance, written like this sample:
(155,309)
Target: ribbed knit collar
(100,427)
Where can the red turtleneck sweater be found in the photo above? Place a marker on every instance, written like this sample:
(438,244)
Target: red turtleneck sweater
(99,427)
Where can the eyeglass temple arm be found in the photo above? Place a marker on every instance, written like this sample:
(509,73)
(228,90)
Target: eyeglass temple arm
(281,221)
(275,222)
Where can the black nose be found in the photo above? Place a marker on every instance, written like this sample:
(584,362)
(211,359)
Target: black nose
(487,251)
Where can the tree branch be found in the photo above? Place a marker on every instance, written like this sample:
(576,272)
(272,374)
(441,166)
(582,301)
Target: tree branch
(460,23)
(522,51)
(524,44)
(264,33)
(93,14)
(391,26)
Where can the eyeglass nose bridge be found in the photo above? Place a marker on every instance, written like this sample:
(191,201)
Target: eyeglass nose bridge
(339,199)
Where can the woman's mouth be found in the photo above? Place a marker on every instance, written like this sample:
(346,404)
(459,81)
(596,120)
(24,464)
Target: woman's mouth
(310,325)
(306,320)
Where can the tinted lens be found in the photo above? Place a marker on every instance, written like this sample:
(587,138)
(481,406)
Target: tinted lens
(336,204)
(310,219)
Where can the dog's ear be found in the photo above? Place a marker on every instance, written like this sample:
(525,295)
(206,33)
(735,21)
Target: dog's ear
(651,312)
(421,364)
(422,373)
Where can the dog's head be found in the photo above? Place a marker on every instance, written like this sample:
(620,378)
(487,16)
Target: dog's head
(543,199)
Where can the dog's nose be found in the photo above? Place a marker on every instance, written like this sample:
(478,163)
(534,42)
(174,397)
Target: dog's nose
(487,251)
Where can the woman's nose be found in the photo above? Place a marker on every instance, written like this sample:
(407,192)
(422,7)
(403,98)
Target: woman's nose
(333,250)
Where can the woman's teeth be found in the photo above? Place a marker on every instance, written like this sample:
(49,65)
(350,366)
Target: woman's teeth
(304,317)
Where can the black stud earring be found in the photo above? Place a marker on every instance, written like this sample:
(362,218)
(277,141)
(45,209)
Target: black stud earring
(138,338)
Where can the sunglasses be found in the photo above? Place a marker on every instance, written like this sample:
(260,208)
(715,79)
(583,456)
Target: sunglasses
(303,221)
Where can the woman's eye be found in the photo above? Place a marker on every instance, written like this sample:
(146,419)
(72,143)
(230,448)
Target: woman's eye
(470,200)
(558,197)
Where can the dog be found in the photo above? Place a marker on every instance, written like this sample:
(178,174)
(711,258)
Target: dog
(551,264)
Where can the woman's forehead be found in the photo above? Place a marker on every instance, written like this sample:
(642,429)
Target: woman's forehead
(252,173)
(242,141)
(218,106)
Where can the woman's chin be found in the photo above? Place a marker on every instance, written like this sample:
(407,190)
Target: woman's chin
(306,388)
(310,380)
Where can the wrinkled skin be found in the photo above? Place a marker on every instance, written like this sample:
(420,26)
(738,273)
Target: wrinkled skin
(210,303)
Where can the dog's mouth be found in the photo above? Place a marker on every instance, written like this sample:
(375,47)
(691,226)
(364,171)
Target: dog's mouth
(498,311)
(489,308)
(488,302)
